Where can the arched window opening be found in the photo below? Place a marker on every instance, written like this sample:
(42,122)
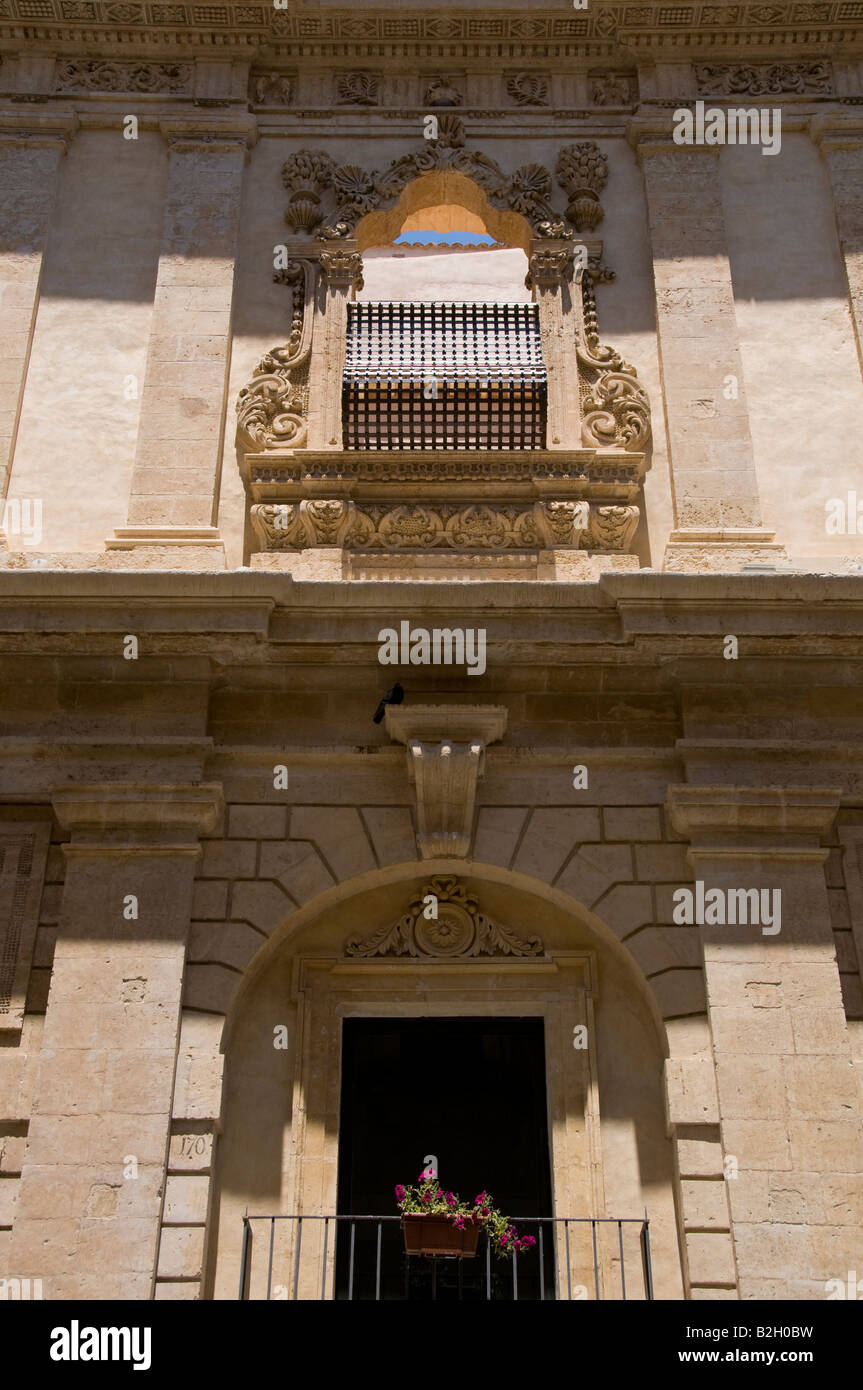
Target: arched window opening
(443,347)
(444,253)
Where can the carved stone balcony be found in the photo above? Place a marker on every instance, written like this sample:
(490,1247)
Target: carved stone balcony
(325,508)
(494,500)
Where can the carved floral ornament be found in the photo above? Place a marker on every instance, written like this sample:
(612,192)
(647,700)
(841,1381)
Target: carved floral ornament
(350,192)
(444,922)
(327,201)
(321,522)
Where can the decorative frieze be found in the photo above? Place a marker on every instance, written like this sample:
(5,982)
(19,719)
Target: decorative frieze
(613,88)
(455,928)
(161,78)
(271,89)
(482,526)
(441,92)
(528,89)
(616,475)
(764,79)
(411,34)
(358,88)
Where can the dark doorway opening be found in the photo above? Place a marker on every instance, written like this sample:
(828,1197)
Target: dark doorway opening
(472,1092)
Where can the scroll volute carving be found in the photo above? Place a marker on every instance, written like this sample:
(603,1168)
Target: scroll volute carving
(615,410)
(272,410)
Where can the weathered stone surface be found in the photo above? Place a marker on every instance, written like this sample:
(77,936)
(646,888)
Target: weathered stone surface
(175,1029)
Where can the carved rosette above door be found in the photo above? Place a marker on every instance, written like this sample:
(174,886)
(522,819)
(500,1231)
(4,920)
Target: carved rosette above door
(444,922)
(309,493)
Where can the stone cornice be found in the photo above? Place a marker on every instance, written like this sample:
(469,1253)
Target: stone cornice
(199,134)
(837,129)
(435,722)
(312,31)
(42,129)
(140,815)
(241,590)
(723,818)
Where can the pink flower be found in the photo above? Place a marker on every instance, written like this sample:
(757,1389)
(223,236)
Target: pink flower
(400,1192)
(450,1199)
(460,1223)
(426,1196)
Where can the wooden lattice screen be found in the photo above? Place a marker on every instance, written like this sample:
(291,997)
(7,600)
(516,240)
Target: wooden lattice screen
(444,376)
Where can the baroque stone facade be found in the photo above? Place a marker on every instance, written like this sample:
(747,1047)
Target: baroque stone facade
(615,783)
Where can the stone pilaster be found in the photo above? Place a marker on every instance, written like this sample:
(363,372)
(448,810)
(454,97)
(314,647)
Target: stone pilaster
(31,148)
(840,139)
(341,277)
(718,523)
(175,483)
(793,1151)
(552,279)
(93,1179)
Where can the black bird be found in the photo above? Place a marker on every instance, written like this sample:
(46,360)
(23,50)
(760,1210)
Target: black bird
(392,697)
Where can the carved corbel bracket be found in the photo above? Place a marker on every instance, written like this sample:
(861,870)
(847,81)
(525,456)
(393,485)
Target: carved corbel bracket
(342,268)
(446,757)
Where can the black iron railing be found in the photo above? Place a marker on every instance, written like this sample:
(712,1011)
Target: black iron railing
(339,1265)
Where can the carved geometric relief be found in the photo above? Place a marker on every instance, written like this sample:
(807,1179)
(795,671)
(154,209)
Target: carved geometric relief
(458,931)
(23,853)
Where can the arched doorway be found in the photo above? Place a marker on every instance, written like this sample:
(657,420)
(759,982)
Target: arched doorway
(285,1112)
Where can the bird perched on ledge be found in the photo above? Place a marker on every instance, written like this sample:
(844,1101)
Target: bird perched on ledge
(392,697)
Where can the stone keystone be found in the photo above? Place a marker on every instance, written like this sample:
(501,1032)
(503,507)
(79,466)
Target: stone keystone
(446,757)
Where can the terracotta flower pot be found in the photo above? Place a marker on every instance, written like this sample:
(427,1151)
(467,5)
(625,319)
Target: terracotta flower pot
(438,1235)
